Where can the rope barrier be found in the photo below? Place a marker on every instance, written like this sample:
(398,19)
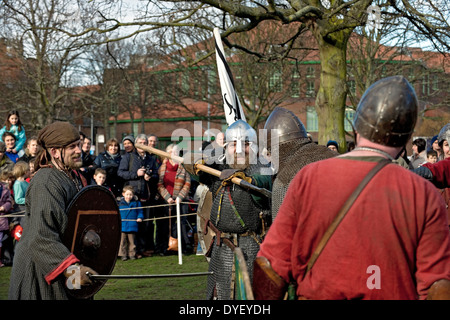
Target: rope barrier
(181,215)
(16,214)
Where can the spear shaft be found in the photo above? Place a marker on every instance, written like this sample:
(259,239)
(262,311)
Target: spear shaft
(205,168)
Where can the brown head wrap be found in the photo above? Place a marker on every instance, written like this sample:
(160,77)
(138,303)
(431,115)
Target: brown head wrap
(56,135)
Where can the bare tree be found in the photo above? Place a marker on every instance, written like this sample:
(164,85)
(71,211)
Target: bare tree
(331,23)
(392,46)
(41,32)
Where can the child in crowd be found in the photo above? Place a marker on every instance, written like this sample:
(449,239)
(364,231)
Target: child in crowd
(100,178)
(5,207)
(14,125)
(21,172)
(131,213)
(432,156)
(7,178)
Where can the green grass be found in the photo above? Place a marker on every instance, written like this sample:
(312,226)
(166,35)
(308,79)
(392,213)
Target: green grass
(181,288)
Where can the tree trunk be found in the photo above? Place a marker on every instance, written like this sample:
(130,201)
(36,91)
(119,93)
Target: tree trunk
(332,93)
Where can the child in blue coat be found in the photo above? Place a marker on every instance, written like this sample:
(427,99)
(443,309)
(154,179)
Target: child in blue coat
(131,213)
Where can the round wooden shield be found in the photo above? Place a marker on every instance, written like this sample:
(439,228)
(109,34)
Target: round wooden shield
(93,234)
(203,214)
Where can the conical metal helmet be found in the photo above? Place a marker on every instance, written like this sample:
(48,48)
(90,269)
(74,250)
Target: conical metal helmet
(387,112)
(444,134)
(285,124)
(241,131)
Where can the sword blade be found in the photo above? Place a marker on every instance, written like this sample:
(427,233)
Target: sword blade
(146,276)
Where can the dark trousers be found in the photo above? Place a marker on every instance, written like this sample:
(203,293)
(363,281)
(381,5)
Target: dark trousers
(162,230)
(146,229)
(166,230)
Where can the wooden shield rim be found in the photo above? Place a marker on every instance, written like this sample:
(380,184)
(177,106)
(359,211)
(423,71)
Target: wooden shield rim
(70,240)
(243,285)
(203,214)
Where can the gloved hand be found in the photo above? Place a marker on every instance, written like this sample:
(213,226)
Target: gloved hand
(199,161)
(84,279)
(228,174)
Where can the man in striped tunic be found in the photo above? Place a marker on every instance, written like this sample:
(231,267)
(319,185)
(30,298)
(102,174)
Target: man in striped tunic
(41,259)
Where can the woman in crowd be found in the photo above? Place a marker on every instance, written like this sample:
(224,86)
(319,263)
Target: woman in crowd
(11,150)
(14,125)
(174,182)
(109,160)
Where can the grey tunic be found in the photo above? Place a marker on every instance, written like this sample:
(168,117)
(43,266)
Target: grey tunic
(40,251)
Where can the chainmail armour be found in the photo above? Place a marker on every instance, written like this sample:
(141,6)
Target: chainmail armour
(227,221)
(292,156)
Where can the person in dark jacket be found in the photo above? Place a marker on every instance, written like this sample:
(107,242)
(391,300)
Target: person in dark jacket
(139,170)
(87,169)
(109,160)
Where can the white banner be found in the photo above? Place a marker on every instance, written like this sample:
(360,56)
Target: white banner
(232,106)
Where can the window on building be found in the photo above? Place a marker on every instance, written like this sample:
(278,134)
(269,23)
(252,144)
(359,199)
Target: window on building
(112,131)
(310,88)
(352,86)
(310,72)
(136,89)
(185,83)
(276,82)
(238,81)
(349,116)
(435,82)
(212,81)
(425,84)
(295,84)
(410,74)
(159,91)
(114,109)
(200,54)
(312,121)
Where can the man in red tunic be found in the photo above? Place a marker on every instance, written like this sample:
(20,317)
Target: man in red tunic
(394,241)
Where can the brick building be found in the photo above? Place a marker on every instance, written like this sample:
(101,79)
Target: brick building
(296,85)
